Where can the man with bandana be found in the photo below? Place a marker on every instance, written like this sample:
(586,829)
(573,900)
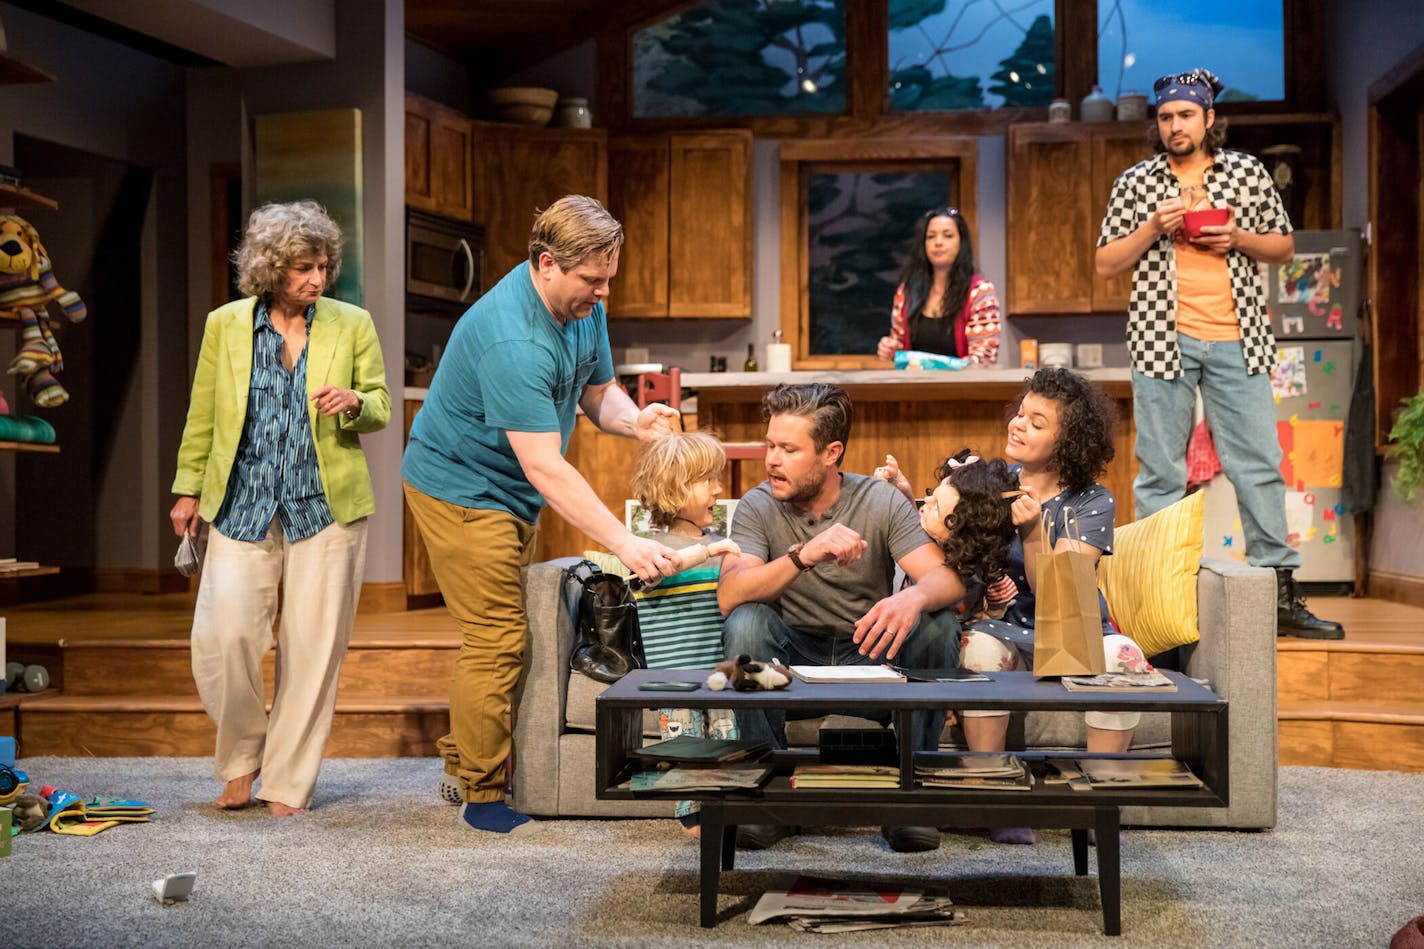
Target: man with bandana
(1197,319)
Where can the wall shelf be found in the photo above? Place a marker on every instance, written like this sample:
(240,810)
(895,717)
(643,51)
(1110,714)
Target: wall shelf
(28,446)
(40,571)
(13,196)
(14,71)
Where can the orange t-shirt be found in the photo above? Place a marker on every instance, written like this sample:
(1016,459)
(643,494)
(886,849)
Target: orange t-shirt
(1205,309)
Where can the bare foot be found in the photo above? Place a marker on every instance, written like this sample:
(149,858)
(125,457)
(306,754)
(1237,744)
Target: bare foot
(238,793)
(278,809)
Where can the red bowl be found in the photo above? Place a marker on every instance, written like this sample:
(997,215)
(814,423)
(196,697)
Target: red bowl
(1194,221)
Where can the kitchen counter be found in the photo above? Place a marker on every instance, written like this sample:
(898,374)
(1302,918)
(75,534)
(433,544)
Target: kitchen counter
(919,416)
(965,379)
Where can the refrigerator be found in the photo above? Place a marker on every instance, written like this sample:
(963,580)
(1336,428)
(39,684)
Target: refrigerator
(1314,301)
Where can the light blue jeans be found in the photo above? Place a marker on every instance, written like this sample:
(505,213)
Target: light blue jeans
(1242,416)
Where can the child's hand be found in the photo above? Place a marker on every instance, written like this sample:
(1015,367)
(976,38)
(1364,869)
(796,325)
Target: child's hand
(890,471)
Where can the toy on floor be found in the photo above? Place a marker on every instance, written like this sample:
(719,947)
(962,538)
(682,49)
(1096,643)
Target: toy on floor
(745,674)
(27,287)
(31,812)
(13,782)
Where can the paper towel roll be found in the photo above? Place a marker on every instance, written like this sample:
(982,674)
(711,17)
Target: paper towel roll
(778,357)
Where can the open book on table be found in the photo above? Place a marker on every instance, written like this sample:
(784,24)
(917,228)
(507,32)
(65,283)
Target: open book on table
(843,674)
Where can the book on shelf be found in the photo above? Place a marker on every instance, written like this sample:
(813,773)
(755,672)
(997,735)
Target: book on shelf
(973,771)
(977,771)
(1152,681)
(844,674)
(981,764)
(11,565)
(845,776)
(698,779)
(685,749)
(1065,771)
(1137,773)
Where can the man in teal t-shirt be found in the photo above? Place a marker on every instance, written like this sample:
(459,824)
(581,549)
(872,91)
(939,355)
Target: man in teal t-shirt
(486,453)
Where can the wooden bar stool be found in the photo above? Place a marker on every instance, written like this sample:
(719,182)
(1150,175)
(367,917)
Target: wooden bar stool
(660,387)
(738,452)
(667,387)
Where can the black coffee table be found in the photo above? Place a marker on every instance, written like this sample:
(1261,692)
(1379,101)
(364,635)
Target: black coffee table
(1199,739)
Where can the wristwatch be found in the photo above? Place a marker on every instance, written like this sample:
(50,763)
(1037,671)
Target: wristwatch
(794,552)
(353,414)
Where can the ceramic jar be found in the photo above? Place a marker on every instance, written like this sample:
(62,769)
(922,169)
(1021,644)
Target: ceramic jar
(1059,110)
(1096,107)
(572,113)
(1131,107)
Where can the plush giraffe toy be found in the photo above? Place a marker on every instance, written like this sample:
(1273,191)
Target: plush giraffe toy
(27,286)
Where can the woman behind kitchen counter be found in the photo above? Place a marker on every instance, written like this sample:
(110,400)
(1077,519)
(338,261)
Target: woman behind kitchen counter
(942,305)
(287,382)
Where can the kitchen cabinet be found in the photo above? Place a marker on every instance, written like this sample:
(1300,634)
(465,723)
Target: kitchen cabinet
(437,159)
(685,201)
(418,573)
(520,170)
(1060,175)
(1059,178)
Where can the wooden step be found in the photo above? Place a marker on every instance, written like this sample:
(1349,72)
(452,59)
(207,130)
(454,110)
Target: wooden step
(1349,672)
(123,726)
(373,668)
(1386,735)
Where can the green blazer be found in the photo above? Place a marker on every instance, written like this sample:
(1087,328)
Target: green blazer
(342,350)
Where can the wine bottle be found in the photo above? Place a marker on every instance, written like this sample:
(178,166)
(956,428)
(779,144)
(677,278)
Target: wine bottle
(751,364)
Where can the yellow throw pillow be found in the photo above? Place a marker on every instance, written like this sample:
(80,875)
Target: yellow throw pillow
(1150,580)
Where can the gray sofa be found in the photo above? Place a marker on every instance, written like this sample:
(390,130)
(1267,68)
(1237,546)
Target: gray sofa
(554,710)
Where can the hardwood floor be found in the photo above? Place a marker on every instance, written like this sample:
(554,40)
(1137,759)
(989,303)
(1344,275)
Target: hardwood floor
(1356,702)
(123,684)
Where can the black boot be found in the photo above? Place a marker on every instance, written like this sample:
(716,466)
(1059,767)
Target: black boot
(1292,617)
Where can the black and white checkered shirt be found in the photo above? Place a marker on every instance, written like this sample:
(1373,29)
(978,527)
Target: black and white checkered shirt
(1233,178)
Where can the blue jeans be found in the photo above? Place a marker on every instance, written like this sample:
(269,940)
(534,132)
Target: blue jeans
(1241,413)
(757,630)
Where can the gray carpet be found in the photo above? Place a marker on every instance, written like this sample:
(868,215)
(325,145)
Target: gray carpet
(381,862)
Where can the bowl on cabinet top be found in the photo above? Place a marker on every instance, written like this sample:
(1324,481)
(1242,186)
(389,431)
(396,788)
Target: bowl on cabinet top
(527,105)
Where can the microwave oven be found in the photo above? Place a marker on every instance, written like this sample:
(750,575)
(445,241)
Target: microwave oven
(443,262)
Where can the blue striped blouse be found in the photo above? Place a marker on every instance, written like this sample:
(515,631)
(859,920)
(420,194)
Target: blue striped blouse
(275,471)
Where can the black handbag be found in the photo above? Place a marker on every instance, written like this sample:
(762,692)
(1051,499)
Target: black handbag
(607,639)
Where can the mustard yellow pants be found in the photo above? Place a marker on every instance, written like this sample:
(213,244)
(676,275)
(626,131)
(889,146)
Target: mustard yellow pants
(477,556)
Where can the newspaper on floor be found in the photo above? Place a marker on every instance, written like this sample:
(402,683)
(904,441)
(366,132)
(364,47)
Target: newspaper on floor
(815,904)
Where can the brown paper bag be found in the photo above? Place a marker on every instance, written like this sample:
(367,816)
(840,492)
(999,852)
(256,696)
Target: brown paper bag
(1067,622)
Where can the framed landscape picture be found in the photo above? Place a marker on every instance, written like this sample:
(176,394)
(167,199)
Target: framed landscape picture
(636,518)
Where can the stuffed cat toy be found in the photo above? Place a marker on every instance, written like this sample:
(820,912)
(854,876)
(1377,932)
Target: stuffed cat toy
(745,674)
(27,287)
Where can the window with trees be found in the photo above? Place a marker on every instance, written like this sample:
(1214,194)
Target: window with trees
(970,55)
(742,57)
(848,209)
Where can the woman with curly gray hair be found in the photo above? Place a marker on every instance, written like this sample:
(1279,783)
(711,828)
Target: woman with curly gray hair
(287,381)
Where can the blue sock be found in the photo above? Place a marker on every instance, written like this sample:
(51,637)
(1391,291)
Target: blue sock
(496,817)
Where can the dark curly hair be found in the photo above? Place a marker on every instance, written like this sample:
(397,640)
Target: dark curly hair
(981,527)
(918,276)
(1086,419)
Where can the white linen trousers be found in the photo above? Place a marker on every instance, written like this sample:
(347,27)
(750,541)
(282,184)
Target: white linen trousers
(319,579)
